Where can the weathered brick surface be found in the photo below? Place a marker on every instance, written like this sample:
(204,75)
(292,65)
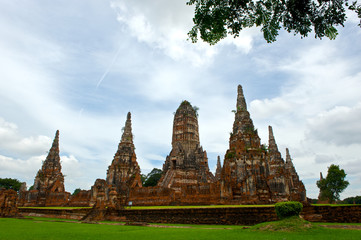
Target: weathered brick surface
(80,200)
(49,182)
(8,199)
(123,174)
(221,216)
(186,170)
(253,174)
(339,214)
(55,213)
(224,216)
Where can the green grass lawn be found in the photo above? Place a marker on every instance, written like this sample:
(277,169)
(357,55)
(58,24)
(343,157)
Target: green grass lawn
(53,229)
(335,205)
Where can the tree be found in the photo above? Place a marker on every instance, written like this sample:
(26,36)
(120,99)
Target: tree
(76,191)
(352,200)
(215,19)
(152,178)
(334,183)
(10,183)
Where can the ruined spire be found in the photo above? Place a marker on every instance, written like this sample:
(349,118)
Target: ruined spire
(56,140)
(289,163)
(127,136)
(272,146)
(321,177)
(241,101)
(50,171)
(288,156)
(53,158)
(124,172)
(185,128)
(219,168)
(242,121)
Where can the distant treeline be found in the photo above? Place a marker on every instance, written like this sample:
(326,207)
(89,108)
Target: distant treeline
(352,200)
(10,183)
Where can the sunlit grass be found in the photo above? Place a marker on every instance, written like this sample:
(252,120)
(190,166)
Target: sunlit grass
(335,205)
(39,229)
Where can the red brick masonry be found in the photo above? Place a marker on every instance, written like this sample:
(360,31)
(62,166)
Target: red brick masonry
(224,216)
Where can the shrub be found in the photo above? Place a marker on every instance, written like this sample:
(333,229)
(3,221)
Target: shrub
(230,155)
(288,209)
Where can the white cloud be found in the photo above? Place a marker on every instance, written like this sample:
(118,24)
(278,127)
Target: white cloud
(22,169)
(267,108)
(49,79)
(325,158)
(12,141)
(167,29)
(244,42)
(155,157)
(340,126)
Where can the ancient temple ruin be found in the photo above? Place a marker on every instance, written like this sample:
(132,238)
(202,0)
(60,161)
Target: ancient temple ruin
(123,174)
(48,188)
(187,163)
(186,168)
(297,189)
(124,171)
(8,203)
(251,173)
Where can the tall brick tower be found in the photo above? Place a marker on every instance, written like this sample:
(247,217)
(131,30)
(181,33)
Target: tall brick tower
(49,181)
(297,189)
(251,173)
(124,172)
(243,178)
(187,163)
(50,173)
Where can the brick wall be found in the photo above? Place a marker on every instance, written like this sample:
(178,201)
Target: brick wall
(340,214)
(224,216)
(55,213)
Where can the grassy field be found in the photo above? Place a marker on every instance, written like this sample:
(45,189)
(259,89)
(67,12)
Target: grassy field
(54,229)
(335,205)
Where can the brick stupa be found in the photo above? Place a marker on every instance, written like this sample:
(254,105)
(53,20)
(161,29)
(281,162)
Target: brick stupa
(124,171)
(48,187)
(186,168)
(252,174)
(123,174)
(297,189)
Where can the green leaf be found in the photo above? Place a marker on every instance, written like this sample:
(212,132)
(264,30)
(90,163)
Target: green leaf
(331,32)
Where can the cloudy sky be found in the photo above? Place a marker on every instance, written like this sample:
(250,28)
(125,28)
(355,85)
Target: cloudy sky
(80,66)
